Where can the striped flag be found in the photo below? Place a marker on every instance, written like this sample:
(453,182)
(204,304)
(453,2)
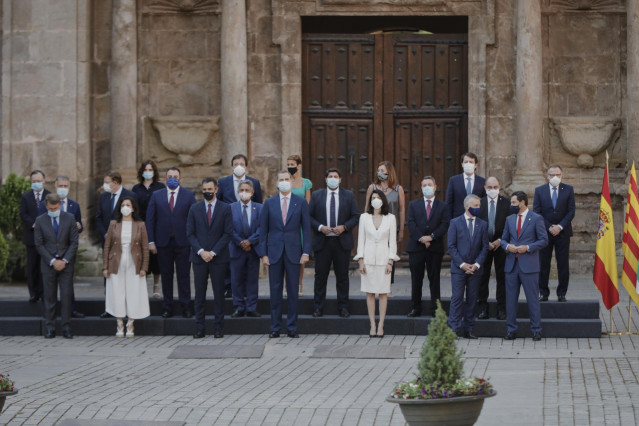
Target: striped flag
(605,275)
(630,246)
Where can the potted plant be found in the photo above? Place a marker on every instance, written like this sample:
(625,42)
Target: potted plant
(440,395)
(7,388)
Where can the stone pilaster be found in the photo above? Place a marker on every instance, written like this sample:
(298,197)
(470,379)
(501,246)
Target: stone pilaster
(632,64)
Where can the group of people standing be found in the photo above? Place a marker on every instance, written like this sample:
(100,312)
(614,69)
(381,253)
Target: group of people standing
(162,229)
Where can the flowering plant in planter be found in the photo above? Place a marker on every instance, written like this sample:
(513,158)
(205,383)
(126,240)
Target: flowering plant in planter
(6,384)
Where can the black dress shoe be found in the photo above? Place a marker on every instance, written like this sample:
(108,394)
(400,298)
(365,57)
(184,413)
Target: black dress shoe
(33,299)
(292,334)
(237,314)
(105,314)
(537,337)
(228,294)
(501,315)
(317,314)
(253,314)
(510,336)
(413,313)
(274,335)
(187,314)
(562,299)
(199,334)
(543,298)
(167,314)
(218,334)
(76,314)
(483,314)
(344,313)
(66,333)
(50,334)
(470,335)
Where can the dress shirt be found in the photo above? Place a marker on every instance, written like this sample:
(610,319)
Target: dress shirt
(472,181)
(37,194)
(206,212)
(117,197)
(175,195)
(466,218)
(328,209)
(288,202)
(56,258)
(236,185)
(64,205)
(432,203)
(248,212)
(551,187)
(523,220)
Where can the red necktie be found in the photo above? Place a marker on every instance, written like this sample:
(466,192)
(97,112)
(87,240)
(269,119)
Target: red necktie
(171,201)
(519,225)
(208,214)
(428,210)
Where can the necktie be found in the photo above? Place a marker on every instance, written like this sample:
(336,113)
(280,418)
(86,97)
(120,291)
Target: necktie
(519,225)
(208,214)
(62,207)
(245,223)
(491,218)
(554,197)
(428,209)
(470,227)
(284,210)
(333,223)
(38,200)
(172,201)
(469,188)
(112,202)
(55,226)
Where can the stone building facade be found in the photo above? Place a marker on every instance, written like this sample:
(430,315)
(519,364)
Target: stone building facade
(94,85)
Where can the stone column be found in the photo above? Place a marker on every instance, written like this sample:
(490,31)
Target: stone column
(124,78)
(234,80)
(632,64)
(529,107)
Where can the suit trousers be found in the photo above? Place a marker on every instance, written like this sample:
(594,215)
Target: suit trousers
(462,315)
(276,281)
(51,280)
(432,263)
(514,280)
(245,275)
(175,258)
(561,244)
(34,275)
(497,256)
(201,274)
(332,253)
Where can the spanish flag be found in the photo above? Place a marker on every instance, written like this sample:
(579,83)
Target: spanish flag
(630,244)
(605,275)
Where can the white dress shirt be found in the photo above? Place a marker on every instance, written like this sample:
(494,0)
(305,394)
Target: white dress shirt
(236,185)
(328,209)
(175,195)
(551,187)
(288,201)
(523,220)
(206,212)
(472,181)
(466,218)
(248,211)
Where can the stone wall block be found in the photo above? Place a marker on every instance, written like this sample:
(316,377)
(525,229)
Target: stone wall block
(185,99)
(272,70)
(174,45)
(568,69)
(606,100)
(580,100)
(58,46)
(60,14)
(263,98)
(189,71)
(180,22)
(101,129)
(21,15)
(41,79)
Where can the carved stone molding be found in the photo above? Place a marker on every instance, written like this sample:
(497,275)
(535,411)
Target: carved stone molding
(585,137)
(596,5)
(182,6)
(186,136)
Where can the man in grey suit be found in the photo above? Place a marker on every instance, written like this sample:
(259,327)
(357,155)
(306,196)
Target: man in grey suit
(56,239)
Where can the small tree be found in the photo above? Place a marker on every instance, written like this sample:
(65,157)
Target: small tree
(11,225)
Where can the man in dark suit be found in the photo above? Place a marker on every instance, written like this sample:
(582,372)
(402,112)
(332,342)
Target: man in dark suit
(283,248)
(524,236)
(334,216)
(555,202)
(245,263)
(428,220)
(494,209)
(464,184)
(30,203)
(209,228)
(468,246)
(56,239)
(166,219)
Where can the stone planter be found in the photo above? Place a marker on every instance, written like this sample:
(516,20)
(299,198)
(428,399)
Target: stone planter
(4,395)
(460,411)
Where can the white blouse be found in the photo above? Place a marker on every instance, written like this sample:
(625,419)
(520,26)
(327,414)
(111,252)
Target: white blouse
(377,246)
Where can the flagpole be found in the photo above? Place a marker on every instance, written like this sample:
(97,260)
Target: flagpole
(629,312)
(612,324)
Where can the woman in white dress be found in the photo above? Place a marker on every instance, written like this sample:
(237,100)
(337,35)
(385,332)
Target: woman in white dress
(125,261)
(376,253)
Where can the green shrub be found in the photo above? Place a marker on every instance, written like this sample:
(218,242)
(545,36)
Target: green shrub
(11,226)
(4,253)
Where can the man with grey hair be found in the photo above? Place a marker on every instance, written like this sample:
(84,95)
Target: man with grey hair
(467,246)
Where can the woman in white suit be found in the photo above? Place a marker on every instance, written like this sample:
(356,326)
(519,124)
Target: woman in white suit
(376,253)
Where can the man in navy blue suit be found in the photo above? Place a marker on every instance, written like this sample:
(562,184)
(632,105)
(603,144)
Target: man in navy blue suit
(283,248)
(245,263)
(464,184)
(428,221)
(467,246)
(334,216)
(166,219)
(555,201)
(524,236)
(209,228)
(30,204)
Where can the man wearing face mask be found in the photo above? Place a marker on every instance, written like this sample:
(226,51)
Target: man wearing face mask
(166,219)
(524,236)
(334,215)
(56,239)
(283,248)
(209,229)
(468,246)
(30,204)
(555,201)
(464,184)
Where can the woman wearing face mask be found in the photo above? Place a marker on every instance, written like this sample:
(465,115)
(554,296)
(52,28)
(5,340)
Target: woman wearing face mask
(376,254)
(301,187)
(148,182)
(125,261)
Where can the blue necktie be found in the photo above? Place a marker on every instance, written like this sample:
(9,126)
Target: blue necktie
(55,226)
(245,223)
(469,188)
(333,223)
(470,227)
(112,203)
(554,198)
(491,219)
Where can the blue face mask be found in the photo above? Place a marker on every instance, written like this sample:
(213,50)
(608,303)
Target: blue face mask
(148,175)
(332,182)
(53,214)
(514,209)
(172,182)
(474,211)
(37,186)
(428,191)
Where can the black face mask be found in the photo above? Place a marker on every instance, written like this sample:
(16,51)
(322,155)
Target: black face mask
(292,170)
(514,209)
(208,196)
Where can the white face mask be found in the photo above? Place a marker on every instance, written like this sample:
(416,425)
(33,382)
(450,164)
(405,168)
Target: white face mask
(62,192)
(492,193)
(239,171)
(126,211)
(377,203)
(555,181)
(469,168)
(284,186)
(245,196)
(106,187)
(428,191)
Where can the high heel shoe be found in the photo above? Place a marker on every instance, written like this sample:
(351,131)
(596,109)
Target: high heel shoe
(380,335)
(120,329)
(373,333)
(156,291)
(129,328)
(300,291)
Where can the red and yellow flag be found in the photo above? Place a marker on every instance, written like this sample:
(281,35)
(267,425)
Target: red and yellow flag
(605,275)
(630,246)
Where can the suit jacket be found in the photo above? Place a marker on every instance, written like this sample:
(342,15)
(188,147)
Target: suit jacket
(377,245)
(533,234)
(112,252)
(502,210)
(226,191)
(466,249)
(419,226)
(347,215)
(105,215)
(72,207)
(456,192)
(160,220)
(274,234)
(65,246)
(214,237)
(29,213)
(238,230)
(563,213)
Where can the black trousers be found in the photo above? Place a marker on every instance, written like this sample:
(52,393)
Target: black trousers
(52,279)
(201,274)
(175,258)
(34,274)
(432,263)
(561,244)
(332,253)
(497,256)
